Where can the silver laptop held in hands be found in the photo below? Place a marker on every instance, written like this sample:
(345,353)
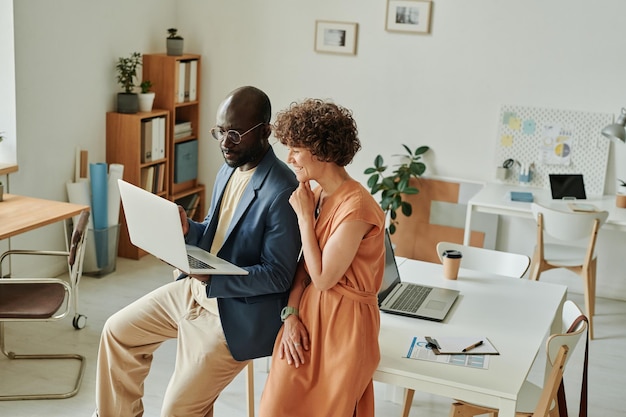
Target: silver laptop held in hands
(408,299)
(154,225)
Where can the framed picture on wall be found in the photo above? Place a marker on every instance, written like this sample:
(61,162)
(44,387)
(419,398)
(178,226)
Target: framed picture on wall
(335,37)
(408,16)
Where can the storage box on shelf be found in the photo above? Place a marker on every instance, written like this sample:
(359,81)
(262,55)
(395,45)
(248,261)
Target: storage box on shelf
(176,82)
(139,142)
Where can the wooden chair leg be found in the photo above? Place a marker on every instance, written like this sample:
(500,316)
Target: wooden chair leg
(408,400)
(250,388)
(590,296)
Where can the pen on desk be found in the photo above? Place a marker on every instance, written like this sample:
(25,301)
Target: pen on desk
(475,345)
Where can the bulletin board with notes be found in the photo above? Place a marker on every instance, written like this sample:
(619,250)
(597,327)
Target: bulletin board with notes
(554,142)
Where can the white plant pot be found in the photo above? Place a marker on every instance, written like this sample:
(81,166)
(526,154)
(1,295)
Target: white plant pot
(145,101)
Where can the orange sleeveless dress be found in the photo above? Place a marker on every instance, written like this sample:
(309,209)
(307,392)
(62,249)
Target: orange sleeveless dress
(343,324)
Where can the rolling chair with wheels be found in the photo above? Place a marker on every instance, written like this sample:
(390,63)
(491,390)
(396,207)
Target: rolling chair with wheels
(75,256)
(43,300)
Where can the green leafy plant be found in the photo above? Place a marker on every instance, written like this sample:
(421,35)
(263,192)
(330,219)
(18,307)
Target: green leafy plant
(622,183)
(145,86)
(394,186)
(127,71)
(173,34)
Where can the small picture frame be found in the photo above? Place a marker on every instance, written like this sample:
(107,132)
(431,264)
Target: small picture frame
(335,37)
(408,16)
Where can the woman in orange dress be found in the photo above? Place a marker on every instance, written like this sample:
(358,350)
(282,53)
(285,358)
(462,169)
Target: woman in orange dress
(327,350)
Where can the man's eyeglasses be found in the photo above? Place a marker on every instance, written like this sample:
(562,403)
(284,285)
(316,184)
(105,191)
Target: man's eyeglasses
(235,137)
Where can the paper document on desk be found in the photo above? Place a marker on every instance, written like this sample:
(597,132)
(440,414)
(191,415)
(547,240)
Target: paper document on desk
(419,349)
(463,345)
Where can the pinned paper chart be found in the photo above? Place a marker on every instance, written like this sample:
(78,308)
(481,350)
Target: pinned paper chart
(556,141)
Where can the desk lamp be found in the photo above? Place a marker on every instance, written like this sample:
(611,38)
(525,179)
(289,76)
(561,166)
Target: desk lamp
(616,130)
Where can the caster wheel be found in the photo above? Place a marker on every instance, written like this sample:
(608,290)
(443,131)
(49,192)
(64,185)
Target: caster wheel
(79,321)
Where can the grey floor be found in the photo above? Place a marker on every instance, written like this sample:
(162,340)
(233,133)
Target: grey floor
(99,297)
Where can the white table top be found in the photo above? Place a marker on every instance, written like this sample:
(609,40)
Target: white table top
(515,314)
(495,198)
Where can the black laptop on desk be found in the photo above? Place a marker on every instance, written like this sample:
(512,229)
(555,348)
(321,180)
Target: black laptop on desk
(408,299)
(567,187)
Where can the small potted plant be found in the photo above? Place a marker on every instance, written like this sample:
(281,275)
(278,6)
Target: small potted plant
(174,42)
(128,101)
(146,97)
(392,187)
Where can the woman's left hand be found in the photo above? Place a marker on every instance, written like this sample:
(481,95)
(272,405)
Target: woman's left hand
(302,200)
(294,342)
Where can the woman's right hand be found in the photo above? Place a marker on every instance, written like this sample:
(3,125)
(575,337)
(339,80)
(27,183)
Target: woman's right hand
(294,342)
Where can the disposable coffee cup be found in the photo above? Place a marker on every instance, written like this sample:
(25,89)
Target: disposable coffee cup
(451,263)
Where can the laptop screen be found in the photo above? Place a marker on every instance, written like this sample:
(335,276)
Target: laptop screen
(391,277)
(567,186)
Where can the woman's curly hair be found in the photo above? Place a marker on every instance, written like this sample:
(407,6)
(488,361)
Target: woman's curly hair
(324,128)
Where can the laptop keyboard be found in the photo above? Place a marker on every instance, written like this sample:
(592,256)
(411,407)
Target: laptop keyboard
(196,263)
(411,298)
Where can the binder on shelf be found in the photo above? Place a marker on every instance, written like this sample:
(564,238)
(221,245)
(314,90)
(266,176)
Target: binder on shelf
(187,79)
(189,203)
(146,141)
(193,80)
(186,161)
(155,138)
(180,93)
(161,147)
(147,178)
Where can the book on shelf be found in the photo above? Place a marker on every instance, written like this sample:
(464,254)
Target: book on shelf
(181,126)
(147,178)
(161,148)
(189,203)
(182,130)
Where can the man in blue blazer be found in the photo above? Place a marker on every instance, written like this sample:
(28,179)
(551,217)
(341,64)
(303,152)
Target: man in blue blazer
(220,321)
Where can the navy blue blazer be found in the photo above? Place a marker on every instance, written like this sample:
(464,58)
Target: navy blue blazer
(264,239)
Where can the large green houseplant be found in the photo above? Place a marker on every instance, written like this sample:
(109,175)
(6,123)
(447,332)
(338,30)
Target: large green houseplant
(393,187)
(128,101)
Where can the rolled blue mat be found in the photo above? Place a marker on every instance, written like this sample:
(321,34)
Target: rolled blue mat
(99,209)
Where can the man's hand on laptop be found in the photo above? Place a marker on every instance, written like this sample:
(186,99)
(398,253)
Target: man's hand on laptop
(183,219)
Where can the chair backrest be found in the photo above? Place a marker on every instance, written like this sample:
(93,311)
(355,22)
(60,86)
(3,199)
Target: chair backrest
(552,384)
(77,247)
(508,264)
(571,312)
(568,225)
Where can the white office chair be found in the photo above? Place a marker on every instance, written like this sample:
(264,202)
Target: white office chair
(537,401)
(507,264)
(571,245)
(480,259)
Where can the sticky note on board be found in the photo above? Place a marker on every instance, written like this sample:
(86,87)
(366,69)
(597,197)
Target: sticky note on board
(507,116)
(506,140)
(515,123)
(529,126)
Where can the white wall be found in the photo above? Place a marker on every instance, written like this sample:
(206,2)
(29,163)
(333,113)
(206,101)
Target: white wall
(443,90)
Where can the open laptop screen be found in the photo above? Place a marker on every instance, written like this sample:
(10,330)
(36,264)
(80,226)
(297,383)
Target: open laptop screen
(567,186)
(391,276)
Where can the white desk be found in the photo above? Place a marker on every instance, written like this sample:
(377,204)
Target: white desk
(494,198)
(515,314)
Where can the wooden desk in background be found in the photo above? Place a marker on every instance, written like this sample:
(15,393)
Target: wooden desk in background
(20,214)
